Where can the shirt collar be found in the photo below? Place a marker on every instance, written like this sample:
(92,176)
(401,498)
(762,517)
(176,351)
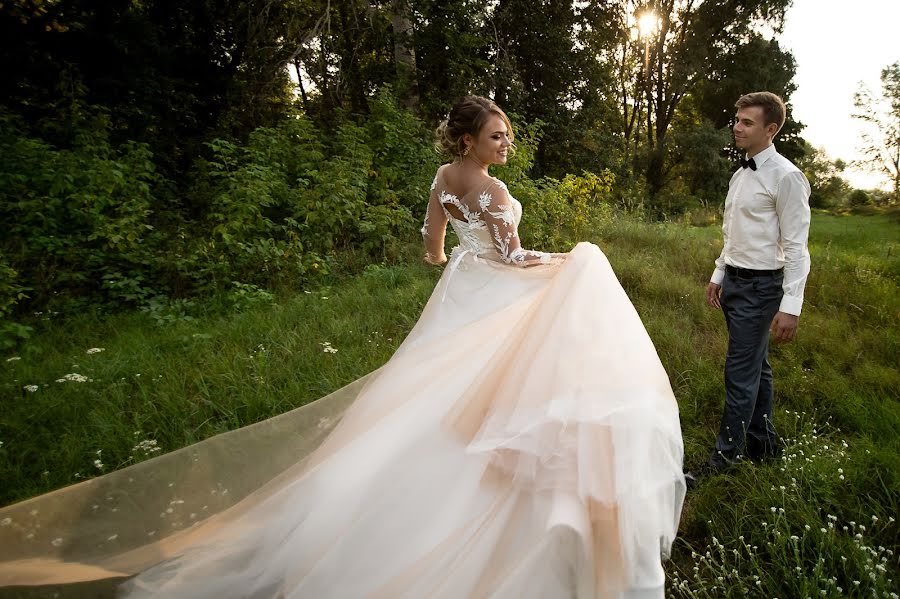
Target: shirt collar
(760,158)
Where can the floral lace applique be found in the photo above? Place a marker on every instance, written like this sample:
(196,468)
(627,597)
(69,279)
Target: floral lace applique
(489,226)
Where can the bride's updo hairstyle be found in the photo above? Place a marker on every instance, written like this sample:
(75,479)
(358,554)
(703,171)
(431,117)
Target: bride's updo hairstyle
(468,115)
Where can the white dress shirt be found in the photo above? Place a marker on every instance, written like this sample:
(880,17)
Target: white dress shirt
(766,224)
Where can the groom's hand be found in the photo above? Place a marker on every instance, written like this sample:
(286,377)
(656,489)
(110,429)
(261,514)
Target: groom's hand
(784,327)
(712,295)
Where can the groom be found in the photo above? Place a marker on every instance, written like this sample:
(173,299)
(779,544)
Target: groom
(758,281)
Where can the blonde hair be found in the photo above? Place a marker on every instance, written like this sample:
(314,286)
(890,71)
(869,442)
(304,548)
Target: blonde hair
(468,115)
(772,106)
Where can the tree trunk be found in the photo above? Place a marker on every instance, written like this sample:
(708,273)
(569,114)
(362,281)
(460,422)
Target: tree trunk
(405,54)
(351,76)
(300,84)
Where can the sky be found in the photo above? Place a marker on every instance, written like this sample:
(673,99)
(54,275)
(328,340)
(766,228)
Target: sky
(836,45)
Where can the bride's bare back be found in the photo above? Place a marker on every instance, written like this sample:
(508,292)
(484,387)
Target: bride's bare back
(485,214)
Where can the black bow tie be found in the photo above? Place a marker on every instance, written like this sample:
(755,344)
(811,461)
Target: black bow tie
(751,163)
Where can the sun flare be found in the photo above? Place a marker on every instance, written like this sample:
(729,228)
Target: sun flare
(648,23)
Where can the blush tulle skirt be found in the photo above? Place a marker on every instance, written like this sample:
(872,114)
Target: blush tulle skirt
(523,442)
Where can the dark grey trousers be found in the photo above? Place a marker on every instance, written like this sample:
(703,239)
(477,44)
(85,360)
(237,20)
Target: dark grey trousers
(749,305)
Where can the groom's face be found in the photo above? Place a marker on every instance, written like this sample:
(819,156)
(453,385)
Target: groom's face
(751,133)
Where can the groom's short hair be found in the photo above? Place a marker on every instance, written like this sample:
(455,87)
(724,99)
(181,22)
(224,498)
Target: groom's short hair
(772,106)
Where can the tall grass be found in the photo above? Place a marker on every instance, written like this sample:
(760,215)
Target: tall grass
(820,521)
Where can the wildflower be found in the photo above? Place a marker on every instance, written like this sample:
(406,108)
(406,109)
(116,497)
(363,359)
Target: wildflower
(13,359)
(95,350)
(147,446)
(326,347)
(30,388)
(98,464)
(74,377)
(57,542)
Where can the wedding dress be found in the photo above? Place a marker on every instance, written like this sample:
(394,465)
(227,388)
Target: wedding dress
(523,442)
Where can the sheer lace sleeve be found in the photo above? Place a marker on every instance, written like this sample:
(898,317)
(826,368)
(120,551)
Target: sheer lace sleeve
(500,218)
(435,227)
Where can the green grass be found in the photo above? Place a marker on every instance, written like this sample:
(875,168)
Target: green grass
(837,392)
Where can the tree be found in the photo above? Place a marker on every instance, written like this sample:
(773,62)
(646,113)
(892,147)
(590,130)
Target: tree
(827,187)
(755,65)
(689,44)
(881,143)
(404,51)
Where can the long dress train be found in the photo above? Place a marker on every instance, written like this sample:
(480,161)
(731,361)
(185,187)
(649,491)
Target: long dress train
(522,442)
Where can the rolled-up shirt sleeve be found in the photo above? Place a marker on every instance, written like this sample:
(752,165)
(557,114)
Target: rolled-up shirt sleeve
(792,207)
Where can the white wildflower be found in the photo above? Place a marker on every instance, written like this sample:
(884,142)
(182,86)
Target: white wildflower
(147,446)
(327,348)
(30,388)
(95,350)
(98,464)
(74,377)
(13,359)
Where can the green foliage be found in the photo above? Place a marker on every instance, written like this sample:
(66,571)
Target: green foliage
(77,216)
(858,197)
(403,158)
(827,188)
(244,296)
(89,223)
(559,212)
(11,293)
(286,201)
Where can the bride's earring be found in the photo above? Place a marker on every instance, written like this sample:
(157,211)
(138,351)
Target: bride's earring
(466,152)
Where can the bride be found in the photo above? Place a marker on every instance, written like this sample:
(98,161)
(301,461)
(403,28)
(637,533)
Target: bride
(523,442)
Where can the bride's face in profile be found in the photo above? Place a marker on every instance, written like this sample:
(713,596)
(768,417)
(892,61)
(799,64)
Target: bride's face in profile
(491,145)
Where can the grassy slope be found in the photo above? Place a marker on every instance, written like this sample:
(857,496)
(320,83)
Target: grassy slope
(837,395)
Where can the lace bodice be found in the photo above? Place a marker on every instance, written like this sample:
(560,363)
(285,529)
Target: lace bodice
(488,227)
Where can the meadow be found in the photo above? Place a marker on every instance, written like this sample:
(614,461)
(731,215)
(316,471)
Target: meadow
(93,392)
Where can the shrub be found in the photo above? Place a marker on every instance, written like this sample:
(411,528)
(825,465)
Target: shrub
(76,215)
